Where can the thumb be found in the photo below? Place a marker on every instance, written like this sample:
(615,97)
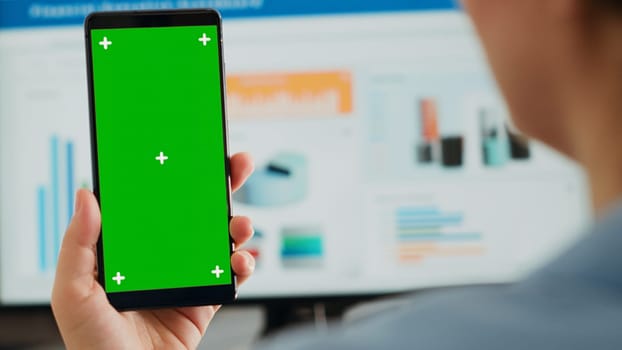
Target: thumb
(75,273)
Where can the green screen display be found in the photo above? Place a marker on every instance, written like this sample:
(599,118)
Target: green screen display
(160,149)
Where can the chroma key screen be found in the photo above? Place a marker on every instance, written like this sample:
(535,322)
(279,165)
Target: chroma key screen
(160,150)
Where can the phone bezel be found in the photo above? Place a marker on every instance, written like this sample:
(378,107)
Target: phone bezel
(174,297)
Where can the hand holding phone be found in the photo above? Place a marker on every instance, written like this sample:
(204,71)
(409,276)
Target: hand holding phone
(81,306)
(87,320)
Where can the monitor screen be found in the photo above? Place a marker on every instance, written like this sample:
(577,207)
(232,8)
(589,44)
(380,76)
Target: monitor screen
(385,158)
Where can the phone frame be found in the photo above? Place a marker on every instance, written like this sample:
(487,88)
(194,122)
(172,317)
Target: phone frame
(173,297)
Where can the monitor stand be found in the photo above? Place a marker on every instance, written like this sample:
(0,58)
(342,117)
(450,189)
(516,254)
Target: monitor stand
(285,314)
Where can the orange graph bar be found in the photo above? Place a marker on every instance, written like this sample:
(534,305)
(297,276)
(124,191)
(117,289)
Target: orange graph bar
(417,252)
(291,95)
(429,119)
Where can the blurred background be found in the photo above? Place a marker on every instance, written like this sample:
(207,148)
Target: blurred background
(385,159)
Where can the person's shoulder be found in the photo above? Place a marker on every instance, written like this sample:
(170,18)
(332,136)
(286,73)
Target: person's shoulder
(572,303)
(533,314)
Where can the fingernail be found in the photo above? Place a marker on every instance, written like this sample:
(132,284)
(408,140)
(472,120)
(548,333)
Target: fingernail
(78,204)
(250,261)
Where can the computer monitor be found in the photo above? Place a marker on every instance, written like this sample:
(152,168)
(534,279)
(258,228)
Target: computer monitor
(385,159)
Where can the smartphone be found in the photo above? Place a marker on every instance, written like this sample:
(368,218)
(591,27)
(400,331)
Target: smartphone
(159,155)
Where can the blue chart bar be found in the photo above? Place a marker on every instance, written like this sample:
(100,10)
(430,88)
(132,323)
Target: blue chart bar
(426,218)
(428,224)
(55,201)
(55,198)
(43,255)
(70,179)
(430,221)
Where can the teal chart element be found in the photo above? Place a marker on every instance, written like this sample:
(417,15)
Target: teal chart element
(284,180)
(302,246)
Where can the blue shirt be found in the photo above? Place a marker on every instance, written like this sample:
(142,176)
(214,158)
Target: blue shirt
(575,302)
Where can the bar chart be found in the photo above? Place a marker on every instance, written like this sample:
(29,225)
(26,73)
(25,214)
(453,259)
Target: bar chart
(432,147)
(425,232)
(302,247)
(55,201)
(500,143)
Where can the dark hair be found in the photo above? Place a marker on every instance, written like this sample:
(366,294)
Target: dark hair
(615,5)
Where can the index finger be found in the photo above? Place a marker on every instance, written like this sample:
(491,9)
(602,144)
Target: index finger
(241,168)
